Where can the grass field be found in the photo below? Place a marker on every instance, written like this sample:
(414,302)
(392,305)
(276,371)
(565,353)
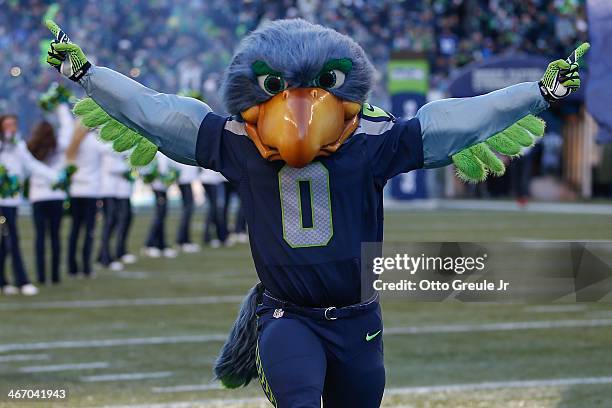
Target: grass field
(147,336)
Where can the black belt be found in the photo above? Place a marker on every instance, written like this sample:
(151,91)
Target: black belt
(320,313)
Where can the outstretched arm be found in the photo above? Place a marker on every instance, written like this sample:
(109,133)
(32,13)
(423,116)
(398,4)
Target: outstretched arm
(66,126)
(450,125)
(171,122)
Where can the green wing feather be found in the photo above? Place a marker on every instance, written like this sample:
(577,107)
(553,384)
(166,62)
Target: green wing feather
(533,124)
(126,141)
(112,130)
(503,144)
(122,137)
(476,162)
(143,154)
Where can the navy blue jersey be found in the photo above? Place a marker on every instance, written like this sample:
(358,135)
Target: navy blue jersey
(306,225)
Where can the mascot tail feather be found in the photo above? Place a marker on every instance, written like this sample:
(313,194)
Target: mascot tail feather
(235,365)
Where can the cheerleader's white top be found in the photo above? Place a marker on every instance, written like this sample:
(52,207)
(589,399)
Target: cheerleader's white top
(41,188)
(114,168)
(19,162)
(188,174)
(208,176)
(86,181)
(163,167)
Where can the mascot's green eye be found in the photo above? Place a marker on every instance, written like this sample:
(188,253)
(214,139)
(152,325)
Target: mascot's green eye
(272,84)
(331,79)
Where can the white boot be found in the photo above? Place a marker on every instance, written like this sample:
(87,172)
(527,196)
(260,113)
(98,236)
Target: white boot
(29,290)
(129,259)
(190,248)
(170,253)
(152,252)
(10,290)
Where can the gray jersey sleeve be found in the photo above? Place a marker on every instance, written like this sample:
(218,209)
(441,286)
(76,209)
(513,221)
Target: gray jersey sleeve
(171,122)
(450,125)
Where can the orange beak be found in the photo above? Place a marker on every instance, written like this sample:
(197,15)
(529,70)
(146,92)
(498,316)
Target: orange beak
(300,124)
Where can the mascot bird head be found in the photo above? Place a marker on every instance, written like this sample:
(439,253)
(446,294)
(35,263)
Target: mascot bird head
(299,88)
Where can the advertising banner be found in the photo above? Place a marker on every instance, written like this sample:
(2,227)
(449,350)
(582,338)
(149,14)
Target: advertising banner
(408,85)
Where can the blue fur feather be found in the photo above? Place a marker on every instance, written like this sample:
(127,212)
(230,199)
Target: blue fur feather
(299,50)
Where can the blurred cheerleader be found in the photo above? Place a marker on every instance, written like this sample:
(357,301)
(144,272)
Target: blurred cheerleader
(116,191)
(187,175)
(18,162)
(160,175)
(85,152)
(48,201)
(213,183)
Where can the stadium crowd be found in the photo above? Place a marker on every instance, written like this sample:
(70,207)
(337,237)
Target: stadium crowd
(186,44)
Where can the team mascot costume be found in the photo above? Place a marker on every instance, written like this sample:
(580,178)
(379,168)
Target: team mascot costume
(310,159)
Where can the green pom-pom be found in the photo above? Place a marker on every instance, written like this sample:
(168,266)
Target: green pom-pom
(519,134)
(533,124)
(502,144)
(112,130)
(126,141)
(143,154)
(469,168)
(84,106)
(491,162)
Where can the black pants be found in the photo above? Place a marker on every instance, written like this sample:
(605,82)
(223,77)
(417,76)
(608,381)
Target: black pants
(47,220)
(183,236)
(117,220)
(520,173)
(83,218)
(240,222)
(123,208)
(157,232)
(110,221)
(216,212)
(9,241)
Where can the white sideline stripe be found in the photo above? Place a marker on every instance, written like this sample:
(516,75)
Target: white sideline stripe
(556,308)
(187,388)
(434,388)
(557,382)
(138,341)
(207,338)
(491,205)
(131,274)
(509,326)
(64,367)
(126,376)
(70,304)
(209,403)
(23,357)
(560,382)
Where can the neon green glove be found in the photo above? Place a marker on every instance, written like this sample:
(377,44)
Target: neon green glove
(562,77)
(66,57)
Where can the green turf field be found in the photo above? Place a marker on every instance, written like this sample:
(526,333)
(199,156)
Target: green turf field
(148,335)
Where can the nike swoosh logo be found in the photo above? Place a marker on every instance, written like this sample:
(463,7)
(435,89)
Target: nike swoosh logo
(369,336)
